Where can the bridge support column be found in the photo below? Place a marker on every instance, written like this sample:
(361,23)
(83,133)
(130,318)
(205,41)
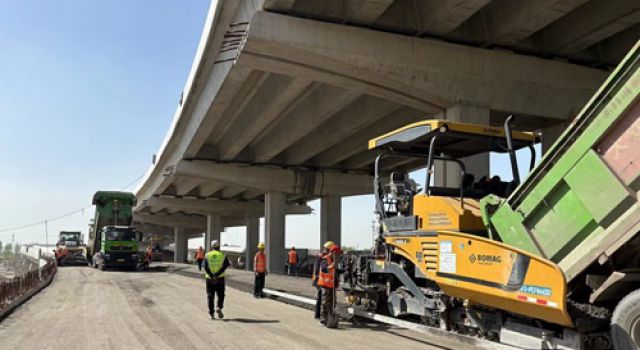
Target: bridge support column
(181,241)
(274,220)
(448,174)
(253,235)
(214,227)
(331,219)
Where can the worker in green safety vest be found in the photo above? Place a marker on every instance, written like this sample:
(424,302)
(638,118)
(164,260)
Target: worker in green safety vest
(215,264)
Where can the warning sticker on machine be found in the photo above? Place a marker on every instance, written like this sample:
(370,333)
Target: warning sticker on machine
(447,263)
(446,247)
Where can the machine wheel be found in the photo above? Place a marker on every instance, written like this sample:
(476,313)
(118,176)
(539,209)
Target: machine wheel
(625,323)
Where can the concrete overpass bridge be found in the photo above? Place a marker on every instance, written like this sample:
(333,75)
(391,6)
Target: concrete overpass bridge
(284,94)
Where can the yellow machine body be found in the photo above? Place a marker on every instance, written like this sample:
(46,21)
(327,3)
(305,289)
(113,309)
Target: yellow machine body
(479,270)
(447,213)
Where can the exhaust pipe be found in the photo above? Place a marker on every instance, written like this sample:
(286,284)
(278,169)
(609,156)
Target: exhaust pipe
(512,152)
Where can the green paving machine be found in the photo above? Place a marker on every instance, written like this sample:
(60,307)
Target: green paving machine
(113,242)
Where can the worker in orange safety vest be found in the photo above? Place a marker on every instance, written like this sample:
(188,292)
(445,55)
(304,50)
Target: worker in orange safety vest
(315,274)
(200,257)
(328,282)
(260,269)
(292,262)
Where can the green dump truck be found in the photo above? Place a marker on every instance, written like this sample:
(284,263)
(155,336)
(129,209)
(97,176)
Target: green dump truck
(580,209)
(113,242)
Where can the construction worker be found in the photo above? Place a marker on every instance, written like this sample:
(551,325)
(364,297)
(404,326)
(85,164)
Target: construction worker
(148,256)
(260,268)
(315,275)
(328,282)
(200,257)
(292,261)
(215,264)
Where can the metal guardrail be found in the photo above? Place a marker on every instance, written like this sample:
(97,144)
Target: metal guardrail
(19,286)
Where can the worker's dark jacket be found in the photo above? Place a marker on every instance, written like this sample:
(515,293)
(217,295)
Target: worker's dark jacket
(225,264)
(316,269)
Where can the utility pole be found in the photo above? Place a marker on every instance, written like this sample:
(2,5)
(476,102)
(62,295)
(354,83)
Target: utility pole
(46,236)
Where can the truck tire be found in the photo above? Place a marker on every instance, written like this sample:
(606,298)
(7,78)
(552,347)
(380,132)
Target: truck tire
(625,323)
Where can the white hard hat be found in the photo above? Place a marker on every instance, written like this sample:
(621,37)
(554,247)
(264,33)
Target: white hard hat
(215,244)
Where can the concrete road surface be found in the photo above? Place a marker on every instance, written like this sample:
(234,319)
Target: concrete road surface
(89,309)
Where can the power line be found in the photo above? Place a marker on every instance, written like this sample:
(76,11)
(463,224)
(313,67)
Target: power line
(42,222)
(132,182)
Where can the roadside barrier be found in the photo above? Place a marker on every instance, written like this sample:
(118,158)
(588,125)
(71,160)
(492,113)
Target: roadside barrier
(20,287)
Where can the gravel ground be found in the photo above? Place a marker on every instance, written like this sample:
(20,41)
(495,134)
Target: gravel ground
(160,309)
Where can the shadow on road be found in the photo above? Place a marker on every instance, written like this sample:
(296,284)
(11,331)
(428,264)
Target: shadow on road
(363,324)
(248,320)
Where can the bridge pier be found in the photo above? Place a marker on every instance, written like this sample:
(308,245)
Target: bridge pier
(251,246)
(274,221)
(181,248)
(448,174)
(214,228)
(330,219)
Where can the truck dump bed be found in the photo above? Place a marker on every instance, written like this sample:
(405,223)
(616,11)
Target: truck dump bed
(580,203)
(112,209)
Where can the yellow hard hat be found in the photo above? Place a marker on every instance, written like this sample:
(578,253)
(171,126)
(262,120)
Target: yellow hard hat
(328,244)
(260,245)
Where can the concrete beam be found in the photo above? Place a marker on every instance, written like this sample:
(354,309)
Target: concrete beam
(432,75)
(508,22)
(274,222)
(281,96)
(365,11)
(173,220)
(320,104)
(220,207)
(442,17)
(359,140)
(231,191)
(147,228)
(250,195)
(587,25)
(613,49)
(291,181)
(279,5)
(365,112)
(209,189)
(257,83)
(186,185)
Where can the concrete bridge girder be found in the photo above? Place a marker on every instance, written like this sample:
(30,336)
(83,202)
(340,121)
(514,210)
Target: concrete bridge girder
(219,207)
(429,72)
(289,181)
(271,103)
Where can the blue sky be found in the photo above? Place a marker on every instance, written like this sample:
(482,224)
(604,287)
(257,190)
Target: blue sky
(87,92)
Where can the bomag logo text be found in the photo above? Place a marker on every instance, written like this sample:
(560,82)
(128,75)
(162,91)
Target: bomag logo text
(485,259)
(489,258)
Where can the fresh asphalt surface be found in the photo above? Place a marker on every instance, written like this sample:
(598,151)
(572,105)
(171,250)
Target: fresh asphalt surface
(84,308)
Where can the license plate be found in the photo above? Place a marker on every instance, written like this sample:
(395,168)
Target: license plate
(120,260)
